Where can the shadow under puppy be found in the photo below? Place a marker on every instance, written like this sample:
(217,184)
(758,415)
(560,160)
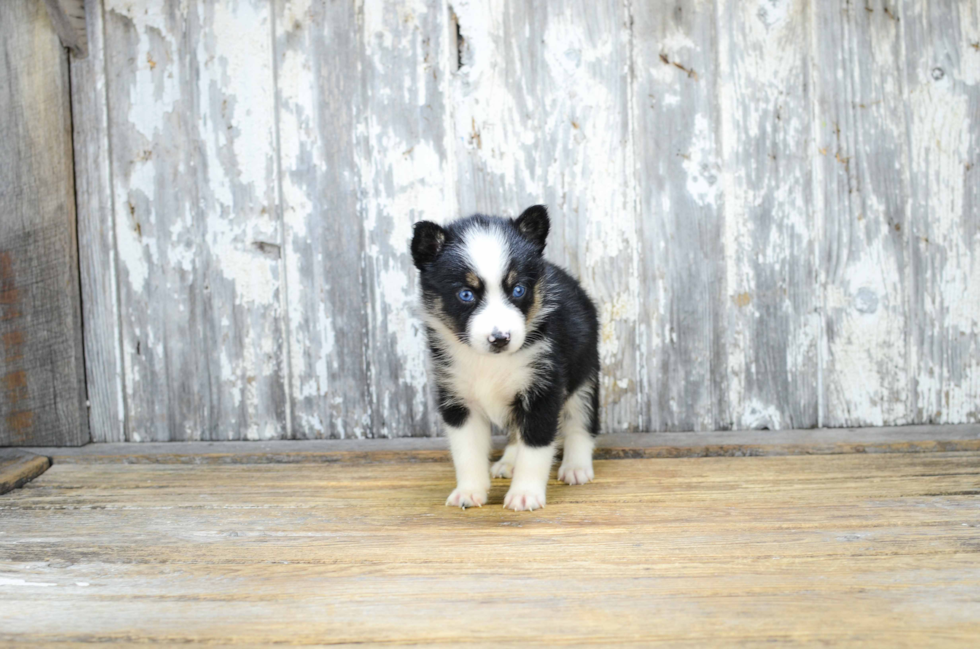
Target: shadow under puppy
(514,341)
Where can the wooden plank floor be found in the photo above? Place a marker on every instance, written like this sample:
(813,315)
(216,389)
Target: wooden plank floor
(857,550)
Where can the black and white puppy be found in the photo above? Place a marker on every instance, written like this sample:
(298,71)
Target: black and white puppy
(514,341)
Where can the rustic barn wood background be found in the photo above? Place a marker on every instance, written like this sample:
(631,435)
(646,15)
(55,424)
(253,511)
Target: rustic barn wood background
(774,202)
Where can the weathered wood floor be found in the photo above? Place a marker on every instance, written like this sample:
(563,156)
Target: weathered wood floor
(874,550)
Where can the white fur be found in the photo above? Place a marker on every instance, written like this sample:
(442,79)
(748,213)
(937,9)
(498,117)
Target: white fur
(470,446)
(576,464)
(487,383)
(489,256)
(504,467)
(531,470)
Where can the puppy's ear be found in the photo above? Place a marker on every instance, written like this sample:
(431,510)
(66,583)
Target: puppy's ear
(427,242)
(533,225)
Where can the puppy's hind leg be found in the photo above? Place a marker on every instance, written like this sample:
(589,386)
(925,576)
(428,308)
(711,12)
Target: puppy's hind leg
(504,467)
(578,423)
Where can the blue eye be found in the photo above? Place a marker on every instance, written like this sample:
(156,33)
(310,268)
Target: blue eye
(466,295)
(519,291)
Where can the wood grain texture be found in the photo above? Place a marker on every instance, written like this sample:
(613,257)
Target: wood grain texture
(942,96)
(861,194)
(192,131)
(406,178)
(773,203)
(772,324)
(96,236)
(318,97)
(364,143)
(17,468)
(404,132)
(68,20)
(681,332)
(42,385)
(815,551)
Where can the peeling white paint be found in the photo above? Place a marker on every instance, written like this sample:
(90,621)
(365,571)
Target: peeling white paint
(757,415)
(549,117)
(154,94)
(12,581)
(701,165)
(767,216)
(947,382)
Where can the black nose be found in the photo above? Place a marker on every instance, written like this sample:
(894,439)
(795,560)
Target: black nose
(499,340)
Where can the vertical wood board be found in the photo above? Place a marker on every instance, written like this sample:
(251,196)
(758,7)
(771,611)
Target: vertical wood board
(773,319)
(861,193)
(192,132)
(96,236)
(318,94)
(942,84)
(681,329)
(42,385)
(374,161)
(404,132)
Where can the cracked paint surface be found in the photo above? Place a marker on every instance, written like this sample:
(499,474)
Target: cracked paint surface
(773,204)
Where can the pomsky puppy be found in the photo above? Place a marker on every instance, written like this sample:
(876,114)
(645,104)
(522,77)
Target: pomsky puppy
(514,342)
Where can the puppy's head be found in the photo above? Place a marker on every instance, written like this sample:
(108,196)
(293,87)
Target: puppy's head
(481,277)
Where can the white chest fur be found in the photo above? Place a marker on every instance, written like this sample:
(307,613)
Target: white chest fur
(489,383)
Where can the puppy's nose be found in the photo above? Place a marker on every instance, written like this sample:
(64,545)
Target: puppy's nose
(499,339)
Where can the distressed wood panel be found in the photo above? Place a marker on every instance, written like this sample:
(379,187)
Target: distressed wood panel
(772,309)
(942,45)
(773,202)
(319,94)
(861,192)
(405,133)
(542,115)
(68,20)
(96,236)
(364,156)
(681,329)
(192,131)
(42,384)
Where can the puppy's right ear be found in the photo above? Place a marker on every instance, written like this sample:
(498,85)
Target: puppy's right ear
(533,225)
(427,242)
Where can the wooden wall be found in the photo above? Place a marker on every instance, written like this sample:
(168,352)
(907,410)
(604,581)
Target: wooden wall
(42,389)
(774,202)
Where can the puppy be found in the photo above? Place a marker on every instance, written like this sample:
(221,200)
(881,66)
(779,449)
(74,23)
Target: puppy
(514,341)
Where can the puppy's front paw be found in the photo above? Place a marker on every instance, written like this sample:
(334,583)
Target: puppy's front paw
(464,497)
(576,474)
(524,499)
(502,469)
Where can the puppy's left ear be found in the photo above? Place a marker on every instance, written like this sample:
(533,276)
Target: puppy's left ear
(533,225)
(427,241)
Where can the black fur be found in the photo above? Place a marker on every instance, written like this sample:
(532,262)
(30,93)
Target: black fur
(445,273)
(573,330)
(533,224)
(566,317)
(427,241)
